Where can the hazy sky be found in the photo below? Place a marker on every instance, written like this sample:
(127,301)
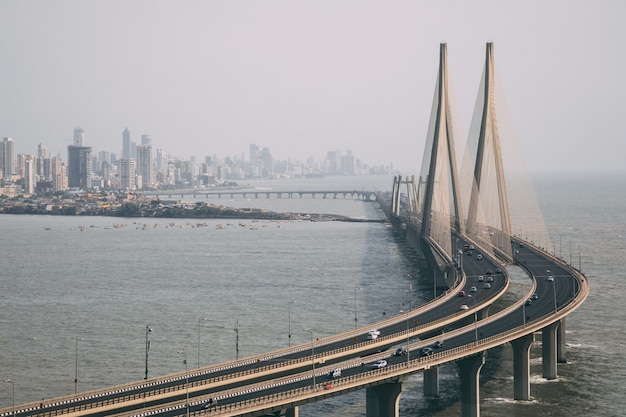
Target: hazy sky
(305,77)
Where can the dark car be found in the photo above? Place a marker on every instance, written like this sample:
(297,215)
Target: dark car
(528,302)
(427,351)
(400,351)
(438,344)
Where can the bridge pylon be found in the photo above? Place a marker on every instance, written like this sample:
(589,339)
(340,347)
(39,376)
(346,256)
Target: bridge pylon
(439,202)
(488,218)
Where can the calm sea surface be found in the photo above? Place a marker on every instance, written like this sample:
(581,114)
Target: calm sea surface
(103,280)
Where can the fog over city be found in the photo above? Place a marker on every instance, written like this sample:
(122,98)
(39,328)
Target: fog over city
(303,78)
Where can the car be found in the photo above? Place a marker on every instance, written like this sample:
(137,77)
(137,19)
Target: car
(487,286)
(498,271)
(438,344)
(373,334)
(473,289)
(400,352)
(379,364)
(489,279)
(489,272)
(427,351)
(208,404)
(335,373)
(481,278)
(462,293)
(471,247)
(464,307)
(479,257)
(528,302)
(535,296)
(469,253)
(516,251)
(550,278)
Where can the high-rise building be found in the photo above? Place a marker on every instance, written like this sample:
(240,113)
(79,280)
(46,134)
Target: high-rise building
(79,136)
(127,174)
(59,174)
(126,143)
(79,162)
(29,175)
(146,140)
(7,158)
(145,165)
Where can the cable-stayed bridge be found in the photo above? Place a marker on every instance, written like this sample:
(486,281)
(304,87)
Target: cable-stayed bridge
(466,248)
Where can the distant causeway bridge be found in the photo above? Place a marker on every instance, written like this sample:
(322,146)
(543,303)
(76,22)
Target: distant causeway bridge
(346,195)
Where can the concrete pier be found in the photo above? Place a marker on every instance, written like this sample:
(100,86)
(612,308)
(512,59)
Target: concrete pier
(521,366)
(561,347)
(470,376)
(548,350)
(431,382)
(383,400)
(287,412)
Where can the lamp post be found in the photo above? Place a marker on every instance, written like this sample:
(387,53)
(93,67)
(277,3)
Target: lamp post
(236,339)
(312,355)
(76,366)
(289,319)
(355,319)
(148,330)
(407,337)
(10,381)
(200,320)
(182,352)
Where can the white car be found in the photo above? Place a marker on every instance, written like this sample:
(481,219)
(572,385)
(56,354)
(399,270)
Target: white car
(479,257)
(373,334)
(379,364)
(464,307)
(473,289)
(550,278)
(481,278)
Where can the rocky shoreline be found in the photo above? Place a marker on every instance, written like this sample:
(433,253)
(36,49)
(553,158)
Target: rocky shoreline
(163,209)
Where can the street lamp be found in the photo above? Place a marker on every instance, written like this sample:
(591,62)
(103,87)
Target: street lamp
(236,339)
(148,330)
(10,381)
(407,337)
(312,355)
(355,319)
(289,319)
(182,352)
(200,320)
(76,366)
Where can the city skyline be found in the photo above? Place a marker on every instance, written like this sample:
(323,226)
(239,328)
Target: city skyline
(142,167)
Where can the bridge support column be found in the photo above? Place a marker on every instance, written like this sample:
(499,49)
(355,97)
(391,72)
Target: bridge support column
(521,366)
(548,350)
(288,412)
(470,375)
(561,347)
(383,400)
(431,382)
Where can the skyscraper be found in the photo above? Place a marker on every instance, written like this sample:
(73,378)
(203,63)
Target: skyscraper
(79,162)
(59,174)
(126,144)
(145,165)
(127,174)
(7,157)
